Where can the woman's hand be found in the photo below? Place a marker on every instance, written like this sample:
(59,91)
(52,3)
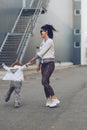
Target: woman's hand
(31,62)
(38,67)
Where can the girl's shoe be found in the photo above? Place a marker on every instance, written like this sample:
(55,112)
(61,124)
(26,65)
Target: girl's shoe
(17,104)
(7,97)
(8,94)
(54,103)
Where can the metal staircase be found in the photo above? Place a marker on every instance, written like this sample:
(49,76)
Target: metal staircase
(15,43)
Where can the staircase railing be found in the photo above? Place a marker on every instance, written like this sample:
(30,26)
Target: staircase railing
(28,31)
(4,42)
(17,20)
(11,31)
(26,36)
(31,3)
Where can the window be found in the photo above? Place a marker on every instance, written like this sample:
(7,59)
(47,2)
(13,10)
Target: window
(77,31)
(76,44)
(77,12)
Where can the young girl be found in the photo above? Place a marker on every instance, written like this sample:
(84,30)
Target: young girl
(15,75)
(46,57)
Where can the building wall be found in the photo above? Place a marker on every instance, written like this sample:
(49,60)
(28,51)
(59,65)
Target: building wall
(60,15)
(9,10)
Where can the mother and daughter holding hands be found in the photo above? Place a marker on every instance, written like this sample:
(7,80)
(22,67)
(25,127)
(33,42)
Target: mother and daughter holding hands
(46,56)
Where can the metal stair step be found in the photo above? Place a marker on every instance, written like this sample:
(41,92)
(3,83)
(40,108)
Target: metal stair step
(8,56)
(7,49)
(28,12)
(7,62)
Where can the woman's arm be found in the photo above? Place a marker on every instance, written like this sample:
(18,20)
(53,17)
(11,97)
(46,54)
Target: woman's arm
(45,49)
(33,60)
(38,67)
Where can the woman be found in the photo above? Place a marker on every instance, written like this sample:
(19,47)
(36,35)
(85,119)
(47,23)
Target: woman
(47,63)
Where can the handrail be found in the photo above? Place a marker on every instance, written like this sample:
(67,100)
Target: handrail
(17,20)
(24,42)
(3,42)
(31,3)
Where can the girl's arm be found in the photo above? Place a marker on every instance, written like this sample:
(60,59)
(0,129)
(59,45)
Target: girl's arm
(24,66)
(5,67)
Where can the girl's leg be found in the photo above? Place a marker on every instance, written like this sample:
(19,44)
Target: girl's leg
(9,92)
(17,100)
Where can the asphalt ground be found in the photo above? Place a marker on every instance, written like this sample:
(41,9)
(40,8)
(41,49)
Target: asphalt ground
(70,85)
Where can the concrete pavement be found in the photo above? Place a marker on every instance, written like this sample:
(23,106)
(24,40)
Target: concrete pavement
(70,86)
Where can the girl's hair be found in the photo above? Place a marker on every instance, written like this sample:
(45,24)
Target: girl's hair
(50,30)
(16,63)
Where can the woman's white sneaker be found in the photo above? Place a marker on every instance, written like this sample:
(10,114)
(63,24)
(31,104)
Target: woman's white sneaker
(48,102)
(54,103)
